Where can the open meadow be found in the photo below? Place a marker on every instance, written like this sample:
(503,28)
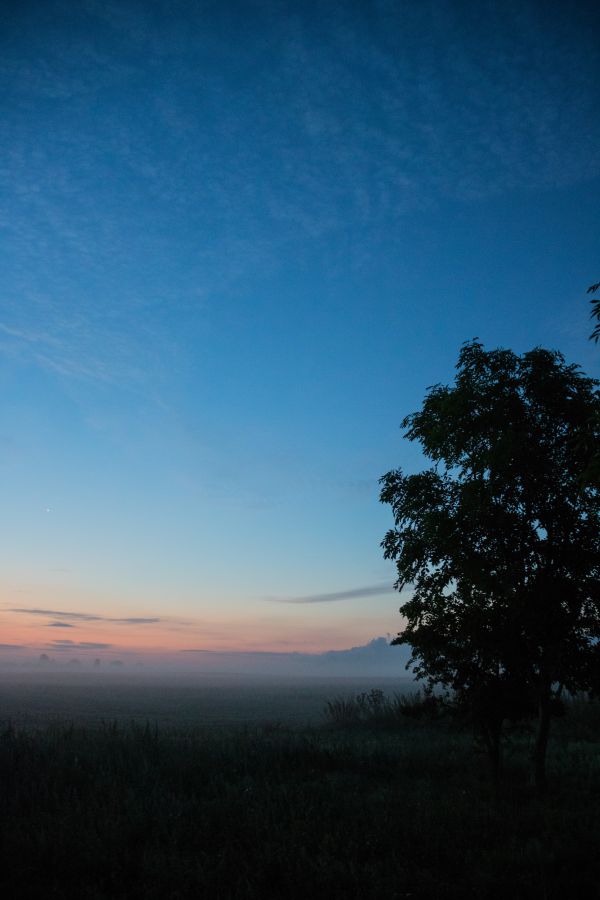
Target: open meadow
(244,789)
(33,698)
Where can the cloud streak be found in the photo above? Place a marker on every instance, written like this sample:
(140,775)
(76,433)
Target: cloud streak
(373,590)
(86,617)
(78,645)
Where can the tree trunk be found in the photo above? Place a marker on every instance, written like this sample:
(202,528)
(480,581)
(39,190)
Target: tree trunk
(496,752)
(492,735)
(541,743)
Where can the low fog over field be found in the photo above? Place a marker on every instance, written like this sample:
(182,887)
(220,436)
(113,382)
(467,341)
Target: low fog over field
(196,689)
(377,658)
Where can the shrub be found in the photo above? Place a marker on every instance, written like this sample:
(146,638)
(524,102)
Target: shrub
(374,708)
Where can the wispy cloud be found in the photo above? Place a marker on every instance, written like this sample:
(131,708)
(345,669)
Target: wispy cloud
(28,337)
(372,590)
(78,645)
(60,625)
(12,646)
(337,132)
(87,617)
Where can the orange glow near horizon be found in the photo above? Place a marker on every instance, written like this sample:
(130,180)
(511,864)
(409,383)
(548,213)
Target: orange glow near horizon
(67,621)
(70,635)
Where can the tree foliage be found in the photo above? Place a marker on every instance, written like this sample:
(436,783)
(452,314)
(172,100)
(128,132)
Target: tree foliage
(592,472)
(595,313)
(499,539)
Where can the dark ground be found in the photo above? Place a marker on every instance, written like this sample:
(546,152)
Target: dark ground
(213,808)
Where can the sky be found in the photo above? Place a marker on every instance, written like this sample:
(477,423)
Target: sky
(238,243)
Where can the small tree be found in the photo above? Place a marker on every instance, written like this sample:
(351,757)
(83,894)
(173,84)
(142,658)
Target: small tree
(500,538)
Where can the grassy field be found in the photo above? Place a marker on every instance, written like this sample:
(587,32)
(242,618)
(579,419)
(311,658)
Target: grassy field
(221,809)
(90,698)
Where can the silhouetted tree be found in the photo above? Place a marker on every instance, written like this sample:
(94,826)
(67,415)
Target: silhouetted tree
(592,472)
(595,313)
(500,539)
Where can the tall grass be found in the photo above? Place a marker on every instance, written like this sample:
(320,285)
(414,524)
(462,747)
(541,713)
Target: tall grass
(261,812)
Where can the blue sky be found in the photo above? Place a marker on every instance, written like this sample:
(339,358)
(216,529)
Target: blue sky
(238,243)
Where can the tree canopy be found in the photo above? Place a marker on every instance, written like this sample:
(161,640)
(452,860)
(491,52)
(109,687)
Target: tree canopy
(499,539)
